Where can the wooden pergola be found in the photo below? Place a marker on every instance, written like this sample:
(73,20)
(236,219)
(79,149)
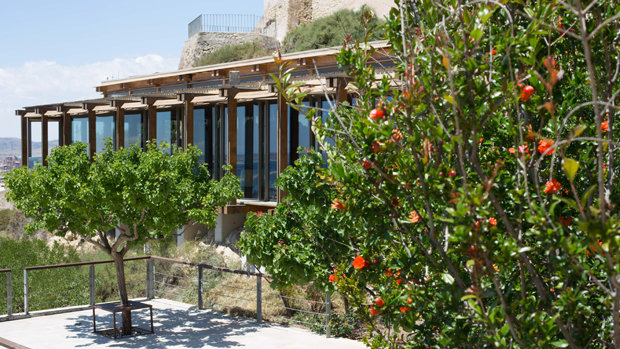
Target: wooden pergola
(221,86)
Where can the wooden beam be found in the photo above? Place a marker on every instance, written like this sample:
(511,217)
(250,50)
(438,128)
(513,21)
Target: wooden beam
(188,125)
(44,140)
(119,128)
(25,141)
(92,135)
(66,128)
(341,91)
(232,130)
(282,139)
(151,115)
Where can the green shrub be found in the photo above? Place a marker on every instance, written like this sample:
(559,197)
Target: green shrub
(332,30)
(231,53)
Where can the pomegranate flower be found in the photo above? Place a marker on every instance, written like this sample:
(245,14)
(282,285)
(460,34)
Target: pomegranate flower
(552,186)
(332,278)
(359,262)
(605,125)
(414,217)
(338,205)
(379,302)
(544,145)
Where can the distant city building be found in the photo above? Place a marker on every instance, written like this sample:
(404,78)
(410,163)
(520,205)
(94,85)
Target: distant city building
(10,162)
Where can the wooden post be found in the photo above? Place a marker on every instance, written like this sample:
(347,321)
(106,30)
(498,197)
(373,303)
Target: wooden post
(328,313)
(341,91)
(188,125)
(25,141)
(91,284)
(232,129)
(282,139)
(259,301)
(44,138)
(119,128)
(92,135)
(66,125)
(151,112)
(200,289)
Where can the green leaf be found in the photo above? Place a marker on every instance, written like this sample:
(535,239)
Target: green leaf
(447,278)
(570,167)
(560,344)
(525,249)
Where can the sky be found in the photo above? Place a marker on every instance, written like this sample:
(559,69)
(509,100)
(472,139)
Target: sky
(58,51)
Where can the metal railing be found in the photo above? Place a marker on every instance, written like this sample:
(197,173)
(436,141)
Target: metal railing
(91,276)
(9,296)
(161,279)
(231,23)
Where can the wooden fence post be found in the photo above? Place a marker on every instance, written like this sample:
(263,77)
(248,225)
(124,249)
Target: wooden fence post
(150,279)
(328,312)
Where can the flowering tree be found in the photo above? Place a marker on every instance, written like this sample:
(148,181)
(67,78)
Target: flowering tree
(145,195)
(477,186)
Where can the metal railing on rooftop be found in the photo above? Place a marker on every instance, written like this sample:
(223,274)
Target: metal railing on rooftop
(231,23)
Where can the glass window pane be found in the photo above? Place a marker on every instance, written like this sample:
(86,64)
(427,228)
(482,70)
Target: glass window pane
(164,127)
(273,150)
(104,131)
(134,130)
(303,128)
(241,151)
(53,135)
(255,150)
(200,134)
(79,130)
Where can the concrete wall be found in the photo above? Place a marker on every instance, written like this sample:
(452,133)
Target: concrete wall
(206,42)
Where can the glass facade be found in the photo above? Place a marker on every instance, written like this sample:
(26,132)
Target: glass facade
(247,149)
(134,130)
(104,131)
(79,130)
(169,127)
(273,151)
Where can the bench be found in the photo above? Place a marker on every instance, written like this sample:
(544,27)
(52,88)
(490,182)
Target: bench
(116,307)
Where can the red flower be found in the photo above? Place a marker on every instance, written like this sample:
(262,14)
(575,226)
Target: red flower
(259,214)
(409,300)
(367,165)
(492,221)
(374,312)
(338,205)
(552,186)
(404,309)
(414,217)
(544,145)
(376,114)
(359,262)
(379,302)
(332,278)
(493,52)
(605,125)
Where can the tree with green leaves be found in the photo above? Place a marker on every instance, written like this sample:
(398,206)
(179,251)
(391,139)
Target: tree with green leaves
(143,194)
(476,184)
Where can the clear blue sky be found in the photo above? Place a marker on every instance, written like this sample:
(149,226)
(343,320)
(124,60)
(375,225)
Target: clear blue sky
(57,51)
(73,32)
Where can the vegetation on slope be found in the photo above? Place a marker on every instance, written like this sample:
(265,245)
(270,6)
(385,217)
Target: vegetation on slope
(235,52)
(333,30)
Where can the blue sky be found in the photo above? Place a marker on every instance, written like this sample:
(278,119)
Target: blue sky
(56,51)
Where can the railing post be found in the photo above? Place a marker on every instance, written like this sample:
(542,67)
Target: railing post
(9,295)
(91,284)
(150,279)
(200,301)
(328,313)
(26,291)
(259,301)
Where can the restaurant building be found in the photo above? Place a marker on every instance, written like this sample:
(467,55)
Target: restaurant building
(230,111)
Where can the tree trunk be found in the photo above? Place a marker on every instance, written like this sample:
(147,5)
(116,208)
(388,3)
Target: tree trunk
(122,291)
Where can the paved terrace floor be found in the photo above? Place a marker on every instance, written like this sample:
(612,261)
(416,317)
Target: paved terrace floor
(177,325)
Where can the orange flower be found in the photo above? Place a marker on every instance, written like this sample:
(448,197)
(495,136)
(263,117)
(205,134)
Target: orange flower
(566,220)
(359,262)
(605,125)
(544,145)
(373,312)
(552,186)
(404,309)
(332,278)
(396,135)
(338,205)
(492,221)
(377,146)
(414,217)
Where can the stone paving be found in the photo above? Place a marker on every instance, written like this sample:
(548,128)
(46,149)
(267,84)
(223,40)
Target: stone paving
(177,325)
